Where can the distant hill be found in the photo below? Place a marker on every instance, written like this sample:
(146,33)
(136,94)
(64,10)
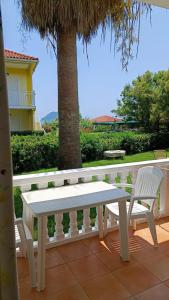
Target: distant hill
(52,116)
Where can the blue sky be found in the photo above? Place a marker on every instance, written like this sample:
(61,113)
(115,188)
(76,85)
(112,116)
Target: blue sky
(102,79)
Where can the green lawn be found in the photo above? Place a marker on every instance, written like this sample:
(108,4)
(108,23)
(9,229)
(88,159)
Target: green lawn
(128,159)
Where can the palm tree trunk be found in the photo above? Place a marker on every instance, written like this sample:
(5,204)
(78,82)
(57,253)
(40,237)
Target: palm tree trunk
(68,107)
(8,276)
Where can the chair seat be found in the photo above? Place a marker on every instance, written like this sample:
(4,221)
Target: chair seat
(138,209)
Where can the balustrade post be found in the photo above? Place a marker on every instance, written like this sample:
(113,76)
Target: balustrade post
(86,220)
(100,177)
(59,234)
(86,179)
(73,224)
(72,181)
(112,177)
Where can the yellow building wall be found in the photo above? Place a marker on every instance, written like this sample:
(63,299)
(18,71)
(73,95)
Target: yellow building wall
(25,79)
(21,120)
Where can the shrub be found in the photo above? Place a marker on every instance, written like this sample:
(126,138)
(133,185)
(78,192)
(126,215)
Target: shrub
(28,132)
(37,152)
(34,152)
(137,143)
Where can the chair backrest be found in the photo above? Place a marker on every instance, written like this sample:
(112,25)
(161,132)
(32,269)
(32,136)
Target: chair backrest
(148,181)
(20,235)
(147,185)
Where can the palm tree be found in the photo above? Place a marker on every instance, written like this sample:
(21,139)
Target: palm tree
(64,20)
(8,278)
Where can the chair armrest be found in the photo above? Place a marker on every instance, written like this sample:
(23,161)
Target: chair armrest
(23,227)
(135,198)
(121,184)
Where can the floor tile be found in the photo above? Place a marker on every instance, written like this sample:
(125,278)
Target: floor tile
(22,267)
(159,292)
(87,267)
(105,288)
(53,258)
(113,261)
(25,290)
(96,245)
(73,251)
(150,254)
(136,278)
(166,282)
(159,267)
(74,292)
(59,278)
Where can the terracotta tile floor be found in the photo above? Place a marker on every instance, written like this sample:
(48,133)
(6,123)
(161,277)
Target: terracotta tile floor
(92,269)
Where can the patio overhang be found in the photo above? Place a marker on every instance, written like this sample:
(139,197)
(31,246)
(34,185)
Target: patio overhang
(160,3)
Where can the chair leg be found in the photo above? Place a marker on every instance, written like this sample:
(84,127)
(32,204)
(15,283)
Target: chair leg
(134,224)
(152,227)
(106,213)
(31,261)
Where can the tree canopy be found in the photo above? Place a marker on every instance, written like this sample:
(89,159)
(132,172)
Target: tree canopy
(146,100)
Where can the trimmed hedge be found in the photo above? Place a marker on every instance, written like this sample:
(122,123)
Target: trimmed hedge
(37,152)
(28,132)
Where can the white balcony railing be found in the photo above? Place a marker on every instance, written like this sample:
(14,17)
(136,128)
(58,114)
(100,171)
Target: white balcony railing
(109,173)
(21,99)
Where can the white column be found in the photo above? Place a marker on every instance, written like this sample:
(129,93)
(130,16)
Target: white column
(59,182)
(42,185)
(100,220)
(124,247)
(26,188)
(87,179)
(72,181)
(41,253)
(100,177)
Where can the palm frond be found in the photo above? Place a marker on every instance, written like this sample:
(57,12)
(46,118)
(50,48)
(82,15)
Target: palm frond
(85,17)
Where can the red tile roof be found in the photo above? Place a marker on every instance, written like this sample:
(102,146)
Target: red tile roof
(20,56)
(105,119)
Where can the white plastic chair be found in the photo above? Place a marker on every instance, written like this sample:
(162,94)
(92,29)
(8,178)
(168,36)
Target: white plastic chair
(24,242)
(145,191)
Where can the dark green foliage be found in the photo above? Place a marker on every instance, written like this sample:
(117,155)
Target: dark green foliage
(18,202)
(146,100)
(39,152)
(28,132)
(34,152)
